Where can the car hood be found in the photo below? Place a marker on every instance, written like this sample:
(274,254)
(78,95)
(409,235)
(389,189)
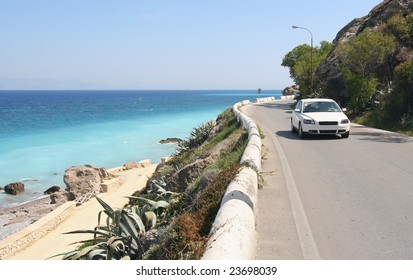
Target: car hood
(326,116)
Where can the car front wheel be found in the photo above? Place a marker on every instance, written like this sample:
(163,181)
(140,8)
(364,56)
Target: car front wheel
(345,135)
(293,129)
(301,133)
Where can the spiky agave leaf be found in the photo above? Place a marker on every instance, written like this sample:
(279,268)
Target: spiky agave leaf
(98,254)
(142,200)
(160,205)
(116,248)
(94,232)
(132,227)
(108,210)
(82,253)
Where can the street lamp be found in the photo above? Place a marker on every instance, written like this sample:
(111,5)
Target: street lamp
(311,57)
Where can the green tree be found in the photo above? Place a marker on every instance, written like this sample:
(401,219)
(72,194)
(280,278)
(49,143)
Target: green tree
(361,89)
(398,104)
(404,85)
(299,63)
(401,27)
(361,56)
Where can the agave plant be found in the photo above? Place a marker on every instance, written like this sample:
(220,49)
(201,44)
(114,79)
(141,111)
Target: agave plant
(158,187)
(151,208)
(117,238)
(197,137)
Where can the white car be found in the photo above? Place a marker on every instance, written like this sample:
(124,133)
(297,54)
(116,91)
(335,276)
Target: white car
(319,116)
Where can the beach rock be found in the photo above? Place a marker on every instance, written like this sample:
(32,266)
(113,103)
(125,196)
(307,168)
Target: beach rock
(291,90)
(103,173)
(14,188)
(170,140)
(52,190)
(144,163)
(131,165)
(81,180)
(141,164)
(61,196)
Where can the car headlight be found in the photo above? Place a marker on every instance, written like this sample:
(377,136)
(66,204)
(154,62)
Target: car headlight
(345,121)
(305,121)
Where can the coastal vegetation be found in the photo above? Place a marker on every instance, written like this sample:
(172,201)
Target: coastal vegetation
(172,217)
(301,64)
(368,68)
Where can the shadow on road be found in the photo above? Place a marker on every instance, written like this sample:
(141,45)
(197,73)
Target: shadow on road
(294,136)
(279,106)
(385,137)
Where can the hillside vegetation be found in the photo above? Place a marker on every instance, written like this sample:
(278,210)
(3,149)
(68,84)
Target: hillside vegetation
(172,217)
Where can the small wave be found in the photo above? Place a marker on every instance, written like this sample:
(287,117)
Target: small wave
(28,180)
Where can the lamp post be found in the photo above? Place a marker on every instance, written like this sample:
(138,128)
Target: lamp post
(311,58)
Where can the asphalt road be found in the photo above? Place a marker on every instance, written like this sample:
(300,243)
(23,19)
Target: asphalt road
(331,198)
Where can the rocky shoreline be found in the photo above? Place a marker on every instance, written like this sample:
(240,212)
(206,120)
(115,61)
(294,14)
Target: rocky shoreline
(18,217)
(82,183)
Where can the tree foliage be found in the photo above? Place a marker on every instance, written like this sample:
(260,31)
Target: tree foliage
(401,27)
(398,104)
(361,56)
(299,63)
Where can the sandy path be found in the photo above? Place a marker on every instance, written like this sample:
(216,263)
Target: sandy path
(84,217)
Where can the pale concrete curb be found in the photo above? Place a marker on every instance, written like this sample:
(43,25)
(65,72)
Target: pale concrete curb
(233,234)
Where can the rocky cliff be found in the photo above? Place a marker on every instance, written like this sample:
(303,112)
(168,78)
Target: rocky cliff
(329,75)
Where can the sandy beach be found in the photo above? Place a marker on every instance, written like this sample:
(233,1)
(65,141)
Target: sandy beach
(81,217)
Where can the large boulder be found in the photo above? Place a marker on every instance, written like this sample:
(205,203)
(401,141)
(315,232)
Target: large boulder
(81,180)
(14,188)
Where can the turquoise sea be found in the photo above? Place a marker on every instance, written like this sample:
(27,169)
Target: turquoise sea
(44,132)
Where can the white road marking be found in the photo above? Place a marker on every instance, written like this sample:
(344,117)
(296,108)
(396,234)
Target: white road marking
(305,235)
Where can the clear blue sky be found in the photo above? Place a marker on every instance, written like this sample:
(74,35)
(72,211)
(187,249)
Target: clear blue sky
(160,44)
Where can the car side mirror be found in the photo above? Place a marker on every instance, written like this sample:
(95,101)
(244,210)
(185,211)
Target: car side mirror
(344,109)
(297,110)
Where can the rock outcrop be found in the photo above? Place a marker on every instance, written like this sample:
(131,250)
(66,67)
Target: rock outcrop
(170,140)
(141,164)
(61,196)
(81,180)
(291,90)
(14,188)
(52,190)
(328,73)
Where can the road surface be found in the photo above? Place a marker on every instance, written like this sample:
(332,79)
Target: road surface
(331,198)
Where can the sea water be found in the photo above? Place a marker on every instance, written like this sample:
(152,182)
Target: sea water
(44,132)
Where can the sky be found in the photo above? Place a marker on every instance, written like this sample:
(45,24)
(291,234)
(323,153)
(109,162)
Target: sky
(161,44)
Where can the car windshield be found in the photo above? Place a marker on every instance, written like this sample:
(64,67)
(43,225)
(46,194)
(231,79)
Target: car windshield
(321,106)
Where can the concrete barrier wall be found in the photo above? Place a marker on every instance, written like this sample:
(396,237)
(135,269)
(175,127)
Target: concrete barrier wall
(233,234)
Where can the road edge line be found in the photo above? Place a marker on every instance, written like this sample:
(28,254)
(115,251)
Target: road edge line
(305,235)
